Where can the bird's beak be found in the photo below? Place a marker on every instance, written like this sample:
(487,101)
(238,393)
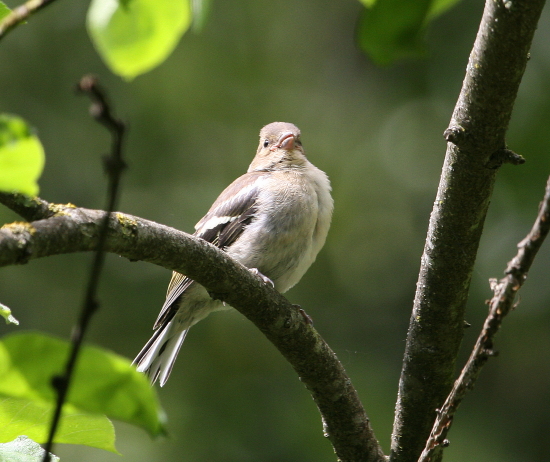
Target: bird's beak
(285,141)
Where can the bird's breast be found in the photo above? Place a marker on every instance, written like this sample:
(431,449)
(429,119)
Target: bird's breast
(288,231)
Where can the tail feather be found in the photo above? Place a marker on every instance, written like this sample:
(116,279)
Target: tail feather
(157,357)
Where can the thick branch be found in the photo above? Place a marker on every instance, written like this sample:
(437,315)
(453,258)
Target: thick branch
(476,148)
(500,305)
(345,422)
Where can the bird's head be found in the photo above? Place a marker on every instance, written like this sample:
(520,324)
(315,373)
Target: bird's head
(280,147)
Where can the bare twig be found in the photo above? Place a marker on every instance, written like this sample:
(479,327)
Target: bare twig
(20,14)
(114,165)
(30,208)
(502,302)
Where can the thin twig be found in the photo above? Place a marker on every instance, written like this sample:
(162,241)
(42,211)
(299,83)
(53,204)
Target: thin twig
(20,14)
(30,208)
(114,165)
(502,302)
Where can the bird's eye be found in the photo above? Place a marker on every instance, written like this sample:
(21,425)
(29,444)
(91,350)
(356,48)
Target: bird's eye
(266,143)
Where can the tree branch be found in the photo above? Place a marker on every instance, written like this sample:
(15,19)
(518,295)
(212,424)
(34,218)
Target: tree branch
(30,208)
(476,147)
(71,229)
(500,305)
(20,14)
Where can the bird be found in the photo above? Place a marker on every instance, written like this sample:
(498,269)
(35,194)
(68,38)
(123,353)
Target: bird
(274,220)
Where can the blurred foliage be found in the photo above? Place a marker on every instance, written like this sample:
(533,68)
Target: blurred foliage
(390,30)
(21,156)
(4,10)
(377,132)
(200,12)
(33,417)
(135,36)
(103,383)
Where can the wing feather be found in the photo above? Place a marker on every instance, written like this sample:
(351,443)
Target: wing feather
(224,223)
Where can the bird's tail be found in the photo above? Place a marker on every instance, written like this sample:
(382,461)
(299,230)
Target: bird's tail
(157,357)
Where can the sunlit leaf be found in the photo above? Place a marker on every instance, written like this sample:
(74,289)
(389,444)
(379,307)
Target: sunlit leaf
(390,30)
(104,383)
(135,36)
(23,449)
(21,156)
(32,417)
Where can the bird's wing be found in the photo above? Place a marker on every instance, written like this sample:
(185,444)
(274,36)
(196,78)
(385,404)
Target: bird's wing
(222,225)
(232,211)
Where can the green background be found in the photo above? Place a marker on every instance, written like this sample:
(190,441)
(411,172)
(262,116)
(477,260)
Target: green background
(194,123)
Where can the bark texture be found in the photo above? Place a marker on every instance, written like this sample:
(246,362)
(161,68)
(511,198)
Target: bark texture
(500,305)
(476,148)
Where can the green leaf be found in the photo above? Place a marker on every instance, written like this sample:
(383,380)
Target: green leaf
(135,36)
(4,11)
(23,449)
(5,312)
(104,382)
(390,30)
(439,7)
(21,156)
(32,417)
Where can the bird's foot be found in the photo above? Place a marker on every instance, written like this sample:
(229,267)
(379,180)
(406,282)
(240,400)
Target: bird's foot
(263,277)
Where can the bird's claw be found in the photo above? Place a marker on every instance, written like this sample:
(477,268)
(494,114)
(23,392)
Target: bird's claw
(263,277)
